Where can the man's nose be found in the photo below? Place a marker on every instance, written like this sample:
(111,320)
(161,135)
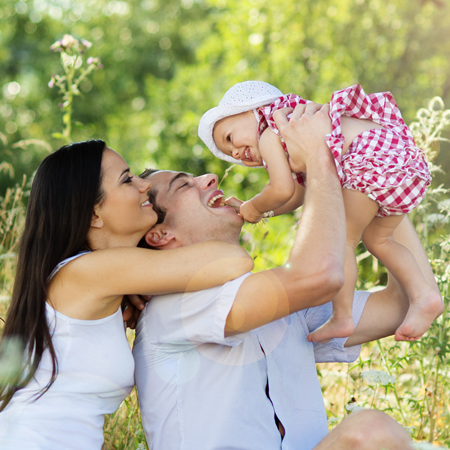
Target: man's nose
(208,180)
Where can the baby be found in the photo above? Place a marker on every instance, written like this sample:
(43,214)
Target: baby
(382,172)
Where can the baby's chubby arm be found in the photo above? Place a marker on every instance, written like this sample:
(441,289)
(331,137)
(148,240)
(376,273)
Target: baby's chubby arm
(294,202)
(281,188)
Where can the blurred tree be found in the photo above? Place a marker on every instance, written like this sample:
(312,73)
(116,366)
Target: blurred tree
(166,62)
(309,47)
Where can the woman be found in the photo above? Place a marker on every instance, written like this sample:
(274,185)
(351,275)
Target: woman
(77,260)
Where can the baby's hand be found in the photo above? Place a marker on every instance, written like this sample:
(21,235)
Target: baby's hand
(250,213)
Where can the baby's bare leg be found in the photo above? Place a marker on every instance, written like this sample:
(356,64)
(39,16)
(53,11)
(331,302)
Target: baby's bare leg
(425,303)
(359,212)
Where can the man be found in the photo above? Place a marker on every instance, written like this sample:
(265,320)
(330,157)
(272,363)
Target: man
(230,367)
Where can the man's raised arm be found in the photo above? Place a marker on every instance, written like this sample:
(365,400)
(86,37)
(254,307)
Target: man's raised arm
(314,272)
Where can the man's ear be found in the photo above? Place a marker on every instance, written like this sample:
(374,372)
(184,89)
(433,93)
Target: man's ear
(96,220)
(160,237)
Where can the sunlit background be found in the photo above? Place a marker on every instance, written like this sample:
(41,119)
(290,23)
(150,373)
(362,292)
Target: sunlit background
(166,62)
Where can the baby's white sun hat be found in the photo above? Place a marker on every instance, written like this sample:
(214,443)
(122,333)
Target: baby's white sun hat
(242,97)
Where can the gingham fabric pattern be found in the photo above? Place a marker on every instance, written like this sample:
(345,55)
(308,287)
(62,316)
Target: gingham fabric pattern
(266,120)
(385,164)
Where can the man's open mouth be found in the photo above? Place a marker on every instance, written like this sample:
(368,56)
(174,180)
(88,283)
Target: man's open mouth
(217,201)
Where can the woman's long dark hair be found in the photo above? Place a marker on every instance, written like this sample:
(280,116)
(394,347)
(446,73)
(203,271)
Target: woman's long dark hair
(65,190)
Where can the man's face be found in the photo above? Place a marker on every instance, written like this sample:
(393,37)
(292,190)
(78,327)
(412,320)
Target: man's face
(195,207)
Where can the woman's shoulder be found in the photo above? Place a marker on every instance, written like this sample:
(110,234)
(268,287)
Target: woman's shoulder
(66,261)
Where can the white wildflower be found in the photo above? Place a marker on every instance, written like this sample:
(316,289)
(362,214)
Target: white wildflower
(65,44)
(334,420)
(68,60)
(437,218)
(426,446)
(85,44)
(140,447)
(436,104)
(378,376)
(68,41)
(353,407)
(410,430)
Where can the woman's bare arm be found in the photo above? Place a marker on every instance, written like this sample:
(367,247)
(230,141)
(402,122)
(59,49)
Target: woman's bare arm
(92,285)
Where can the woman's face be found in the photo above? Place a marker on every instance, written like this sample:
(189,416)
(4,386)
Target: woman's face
(125,214)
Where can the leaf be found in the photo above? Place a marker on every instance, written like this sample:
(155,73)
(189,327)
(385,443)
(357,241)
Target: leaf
(3,139)
(38,142)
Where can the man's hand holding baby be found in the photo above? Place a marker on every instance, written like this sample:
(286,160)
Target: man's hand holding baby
(304,133)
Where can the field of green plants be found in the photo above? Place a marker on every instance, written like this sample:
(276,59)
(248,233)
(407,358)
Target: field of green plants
(408,381)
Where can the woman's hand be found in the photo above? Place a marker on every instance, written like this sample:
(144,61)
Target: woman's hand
(132,305)
(305,132)
(250,213)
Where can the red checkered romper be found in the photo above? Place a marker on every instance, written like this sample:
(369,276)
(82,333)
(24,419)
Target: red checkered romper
(383,163)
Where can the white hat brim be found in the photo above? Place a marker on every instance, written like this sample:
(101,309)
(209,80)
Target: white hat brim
(226,109)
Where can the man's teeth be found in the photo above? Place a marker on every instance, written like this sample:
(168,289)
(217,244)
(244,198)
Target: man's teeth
(213,200)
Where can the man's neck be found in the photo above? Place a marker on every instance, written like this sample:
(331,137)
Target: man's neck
(231,237)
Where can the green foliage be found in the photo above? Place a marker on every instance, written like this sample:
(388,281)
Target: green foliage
(166,62)
(12,219)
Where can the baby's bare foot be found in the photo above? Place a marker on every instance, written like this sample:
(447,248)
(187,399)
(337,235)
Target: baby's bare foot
(334,328)
(421,314)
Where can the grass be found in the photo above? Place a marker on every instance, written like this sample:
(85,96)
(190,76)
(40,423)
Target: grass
(123,429)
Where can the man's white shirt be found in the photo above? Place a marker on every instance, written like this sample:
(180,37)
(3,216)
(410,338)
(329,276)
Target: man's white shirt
(200,390)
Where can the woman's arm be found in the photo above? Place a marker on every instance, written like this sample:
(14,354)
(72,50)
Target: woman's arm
(281,187)
(92,286)
(142,271)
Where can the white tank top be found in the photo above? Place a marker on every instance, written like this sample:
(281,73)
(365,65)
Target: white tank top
(96,373)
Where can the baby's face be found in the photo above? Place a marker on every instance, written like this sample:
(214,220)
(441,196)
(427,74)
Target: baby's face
(237,136)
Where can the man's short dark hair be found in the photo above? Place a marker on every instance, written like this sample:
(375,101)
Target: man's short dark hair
(147,172)
(159,210)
